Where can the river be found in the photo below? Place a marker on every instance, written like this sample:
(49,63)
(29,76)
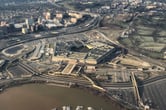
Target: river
(47,97)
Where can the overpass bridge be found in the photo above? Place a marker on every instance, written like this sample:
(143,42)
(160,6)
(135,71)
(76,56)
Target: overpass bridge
(136,91)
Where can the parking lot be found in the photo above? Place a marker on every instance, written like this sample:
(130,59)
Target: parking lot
(154,95)
(126,95)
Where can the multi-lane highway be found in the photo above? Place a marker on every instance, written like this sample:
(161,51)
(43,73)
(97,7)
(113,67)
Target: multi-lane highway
(88,25)
(62,79)
(117,85)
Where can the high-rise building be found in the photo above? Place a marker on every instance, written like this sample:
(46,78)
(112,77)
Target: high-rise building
(29,22)
(39,20)
(47,15)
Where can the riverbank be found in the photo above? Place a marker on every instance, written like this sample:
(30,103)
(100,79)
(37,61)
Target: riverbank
(30,96)
(90,90)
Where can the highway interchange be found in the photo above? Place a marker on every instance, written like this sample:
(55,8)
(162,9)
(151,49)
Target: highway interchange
(123,90)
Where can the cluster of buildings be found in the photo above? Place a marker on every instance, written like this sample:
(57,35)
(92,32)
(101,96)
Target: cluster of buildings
(135,1)
(29,26)
(51,21)
(118,6)
(35,16)
(47,21)
(61,18)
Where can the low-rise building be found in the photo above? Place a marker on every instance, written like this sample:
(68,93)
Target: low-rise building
(95,55)
(73,20)
(76,15)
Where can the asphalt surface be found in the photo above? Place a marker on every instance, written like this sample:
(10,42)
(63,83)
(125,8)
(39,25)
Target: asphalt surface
(154,94)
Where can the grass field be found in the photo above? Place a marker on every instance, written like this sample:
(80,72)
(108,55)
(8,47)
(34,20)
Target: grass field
(142,27)
(161,40)
(162,33)
(133,61)
(149,37)
(144,32)
(152,46)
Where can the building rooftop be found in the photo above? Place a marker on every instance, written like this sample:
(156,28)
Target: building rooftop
(97,52)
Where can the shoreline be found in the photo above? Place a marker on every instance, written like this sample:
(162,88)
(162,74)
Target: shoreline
(91,90)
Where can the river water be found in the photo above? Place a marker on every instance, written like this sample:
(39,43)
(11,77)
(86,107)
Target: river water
(47,97)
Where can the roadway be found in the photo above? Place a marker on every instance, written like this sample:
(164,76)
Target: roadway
(68,79)
(151,91)
(63,79)
(52,78)
(129,85)
(91,24)
(126,85)
(117,85)
(72,30)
